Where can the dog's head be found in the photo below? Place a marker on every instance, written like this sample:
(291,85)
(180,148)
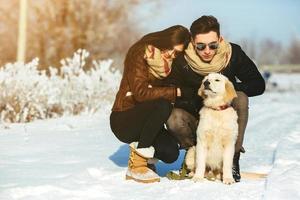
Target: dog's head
(217,86)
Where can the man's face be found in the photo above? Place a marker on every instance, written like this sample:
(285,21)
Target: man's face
(206,45)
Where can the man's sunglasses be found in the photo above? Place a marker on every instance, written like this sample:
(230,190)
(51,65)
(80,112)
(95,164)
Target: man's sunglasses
(211,46)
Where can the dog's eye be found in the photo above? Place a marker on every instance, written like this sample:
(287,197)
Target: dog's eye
(217,80)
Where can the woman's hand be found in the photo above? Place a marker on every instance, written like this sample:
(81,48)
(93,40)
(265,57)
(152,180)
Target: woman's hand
(178,92)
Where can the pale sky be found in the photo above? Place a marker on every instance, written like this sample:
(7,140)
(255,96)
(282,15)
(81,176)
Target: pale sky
(256,19)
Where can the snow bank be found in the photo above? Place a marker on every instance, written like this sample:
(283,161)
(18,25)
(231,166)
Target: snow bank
(283,82)
(285,174)
(28,94)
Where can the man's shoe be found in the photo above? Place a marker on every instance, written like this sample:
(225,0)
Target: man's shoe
(236,167)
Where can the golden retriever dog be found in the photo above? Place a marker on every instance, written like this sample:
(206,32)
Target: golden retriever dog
(216,133)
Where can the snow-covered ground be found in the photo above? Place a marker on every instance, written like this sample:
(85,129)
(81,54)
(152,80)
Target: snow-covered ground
(78,158)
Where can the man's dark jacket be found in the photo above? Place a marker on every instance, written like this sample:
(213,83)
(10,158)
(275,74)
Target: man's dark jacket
(241,71)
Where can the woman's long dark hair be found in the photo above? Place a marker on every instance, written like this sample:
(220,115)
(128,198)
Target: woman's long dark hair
(167,38)
(163,40)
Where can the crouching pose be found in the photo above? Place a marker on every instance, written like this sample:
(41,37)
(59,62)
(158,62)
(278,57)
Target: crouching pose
(144,104)
(209,52)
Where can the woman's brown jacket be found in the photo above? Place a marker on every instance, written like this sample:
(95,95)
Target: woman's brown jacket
(138,85)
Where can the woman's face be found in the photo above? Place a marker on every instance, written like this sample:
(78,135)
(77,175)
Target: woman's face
(173,53)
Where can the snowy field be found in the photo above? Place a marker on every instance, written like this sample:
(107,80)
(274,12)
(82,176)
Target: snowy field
(78,158)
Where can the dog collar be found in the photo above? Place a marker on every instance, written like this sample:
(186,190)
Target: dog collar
(223,107)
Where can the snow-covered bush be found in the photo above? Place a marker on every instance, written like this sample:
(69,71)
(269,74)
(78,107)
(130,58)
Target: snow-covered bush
(28,93)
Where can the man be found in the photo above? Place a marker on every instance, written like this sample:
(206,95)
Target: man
(209,52)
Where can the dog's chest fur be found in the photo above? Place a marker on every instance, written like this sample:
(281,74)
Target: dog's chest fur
(216,129)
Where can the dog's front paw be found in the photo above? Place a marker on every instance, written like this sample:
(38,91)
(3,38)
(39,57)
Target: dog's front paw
(228,181)
(198,178)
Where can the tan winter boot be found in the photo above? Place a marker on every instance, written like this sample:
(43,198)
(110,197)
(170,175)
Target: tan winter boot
(137,165)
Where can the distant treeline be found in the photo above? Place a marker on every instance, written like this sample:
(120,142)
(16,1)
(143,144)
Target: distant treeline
(57,28)
(106,28)
(270,52)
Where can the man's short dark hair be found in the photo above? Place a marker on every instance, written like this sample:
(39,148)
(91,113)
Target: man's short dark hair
(205,24)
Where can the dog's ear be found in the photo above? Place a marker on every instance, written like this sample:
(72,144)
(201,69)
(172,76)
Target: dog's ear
(230,92)
(201,91)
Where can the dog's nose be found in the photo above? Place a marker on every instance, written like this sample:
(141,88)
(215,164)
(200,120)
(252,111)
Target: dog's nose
(206,83)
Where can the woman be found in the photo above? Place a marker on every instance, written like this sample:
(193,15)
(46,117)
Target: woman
(143,104)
